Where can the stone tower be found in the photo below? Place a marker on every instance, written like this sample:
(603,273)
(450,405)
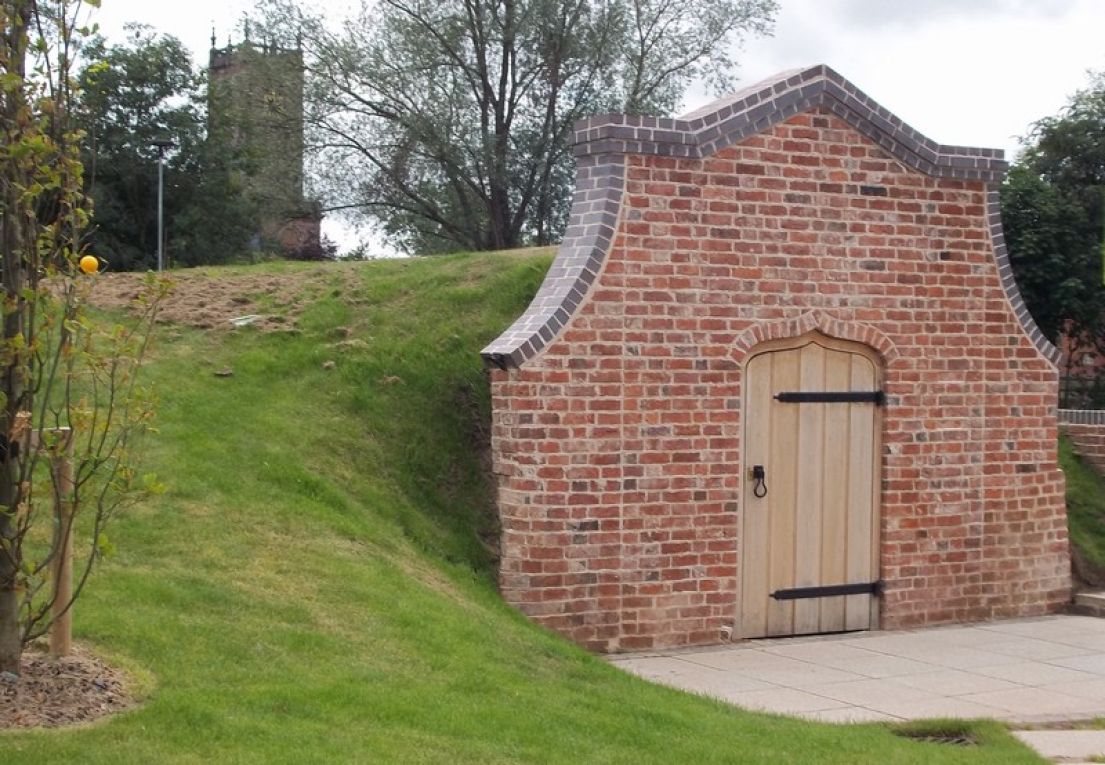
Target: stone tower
(255,104)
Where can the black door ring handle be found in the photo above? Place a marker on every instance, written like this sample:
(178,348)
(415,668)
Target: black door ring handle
(759,475)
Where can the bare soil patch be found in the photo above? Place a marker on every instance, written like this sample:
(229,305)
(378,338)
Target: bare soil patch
(75,689)
(200,301)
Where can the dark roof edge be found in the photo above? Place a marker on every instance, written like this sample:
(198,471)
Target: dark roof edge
(603,143)
(596,205)
(1009,283)
(756,108)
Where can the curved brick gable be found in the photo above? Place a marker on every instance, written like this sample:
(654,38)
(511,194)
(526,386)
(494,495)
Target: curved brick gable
(617,400)
(601,144)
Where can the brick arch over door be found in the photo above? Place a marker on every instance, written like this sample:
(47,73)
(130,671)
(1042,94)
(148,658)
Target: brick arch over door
(814,321)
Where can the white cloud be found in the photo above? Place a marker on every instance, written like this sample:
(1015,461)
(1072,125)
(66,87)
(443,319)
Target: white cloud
(878,13)
(976,73)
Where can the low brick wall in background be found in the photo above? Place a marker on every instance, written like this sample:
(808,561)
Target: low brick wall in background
(1086,430)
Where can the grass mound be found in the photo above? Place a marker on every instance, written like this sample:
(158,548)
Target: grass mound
(1086,515)
(317,583)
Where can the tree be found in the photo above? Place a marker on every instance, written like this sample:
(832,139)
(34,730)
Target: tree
(1053,259)
(67,384)
(1053,213)
(131,95)
(449,122)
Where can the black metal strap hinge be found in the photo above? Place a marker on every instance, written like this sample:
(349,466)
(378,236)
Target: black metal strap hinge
(876,397)
(829,591)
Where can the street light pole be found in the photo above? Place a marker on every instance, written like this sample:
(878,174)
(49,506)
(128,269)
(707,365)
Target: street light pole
(160,211)
(161,144)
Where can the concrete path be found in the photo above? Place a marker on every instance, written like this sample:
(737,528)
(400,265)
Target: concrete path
(1045,670)
(1067,746)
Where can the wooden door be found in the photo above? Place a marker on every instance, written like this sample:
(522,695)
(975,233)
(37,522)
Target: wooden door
(811,422)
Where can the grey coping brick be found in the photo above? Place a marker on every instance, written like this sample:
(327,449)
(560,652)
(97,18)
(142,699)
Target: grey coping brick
(1008,283)
(1082,416)
(603,141)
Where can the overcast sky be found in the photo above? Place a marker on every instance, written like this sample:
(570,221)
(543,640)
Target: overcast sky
(968,72)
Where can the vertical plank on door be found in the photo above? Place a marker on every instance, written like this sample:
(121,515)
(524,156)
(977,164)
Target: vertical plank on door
(782,493)
(754,510)
(860,564)
(834,505)
(809,483)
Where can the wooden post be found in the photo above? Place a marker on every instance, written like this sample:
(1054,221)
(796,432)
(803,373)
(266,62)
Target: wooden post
(61,627)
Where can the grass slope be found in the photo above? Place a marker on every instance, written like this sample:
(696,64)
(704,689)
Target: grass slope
(1085,514)
(313,586)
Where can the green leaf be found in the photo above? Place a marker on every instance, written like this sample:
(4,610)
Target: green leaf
(104,547)
(152,485)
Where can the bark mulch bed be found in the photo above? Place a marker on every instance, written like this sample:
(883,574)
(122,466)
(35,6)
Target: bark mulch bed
(75,689)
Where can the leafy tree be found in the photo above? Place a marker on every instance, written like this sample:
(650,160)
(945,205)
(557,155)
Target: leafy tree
(1053,212)
(449,121)
(1054,263)
(131,95)
(67,385)
(212,218)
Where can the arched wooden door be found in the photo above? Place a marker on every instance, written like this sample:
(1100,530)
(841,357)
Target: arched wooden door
(809,524)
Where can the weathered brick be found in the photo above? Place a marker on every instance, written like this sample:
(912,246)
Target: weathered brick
(1088,439)
(630,502)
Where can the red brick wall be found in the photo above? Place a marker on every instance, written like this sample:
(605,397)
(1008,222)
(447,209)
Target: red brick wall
(618,447)
(1086,431)
(1089,441)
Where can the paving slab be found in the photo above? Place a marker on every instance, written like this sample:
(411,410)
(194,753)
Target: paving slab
(785,701)
(954,707)
(1036,704)
(954,682)
(849,715)
(1046,669)
(1091,689)
(1065,745)
(870,694)
(1036,673)
(1037,649)
(1094,663)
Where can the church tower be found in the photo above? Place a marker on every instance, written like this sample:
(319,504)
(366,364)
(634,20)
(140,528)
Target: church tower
(255,105)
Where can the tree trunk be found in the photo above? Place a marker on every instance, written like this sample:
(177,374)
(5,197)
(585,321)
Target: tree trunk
(13,238)
(11,641)
(11,383)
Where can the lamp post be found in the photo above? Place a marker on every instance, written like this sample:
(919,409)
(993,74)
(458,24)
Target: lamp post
(161,144)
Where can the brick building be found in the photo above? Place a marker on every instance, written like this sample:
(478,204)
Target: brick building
(778,381)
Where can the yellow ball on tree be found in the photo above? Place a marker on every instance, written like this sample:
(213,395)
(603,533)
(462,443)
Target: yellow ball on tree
(90,264)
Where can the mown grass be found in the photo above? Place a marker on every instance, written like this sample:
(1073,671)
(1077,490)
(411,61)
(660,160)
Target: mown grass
(1085,511)
(315,586)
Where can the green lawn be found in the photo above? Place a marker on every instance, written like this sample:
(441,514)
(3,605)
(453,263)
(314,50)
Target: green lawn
(1086,513)
(315,586)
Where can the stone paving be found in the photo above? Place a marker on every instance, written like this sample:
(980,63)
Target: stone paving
(1068,746)
(1044,670)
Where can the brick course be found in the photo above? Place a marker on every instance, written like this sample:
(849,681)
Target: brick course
(797,205)
(1086,430)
